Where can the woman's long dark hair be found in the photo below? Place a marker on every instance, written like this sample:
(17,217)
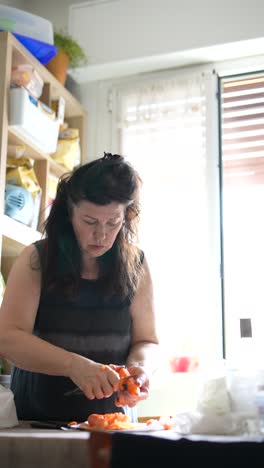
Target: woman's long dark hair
(102,181)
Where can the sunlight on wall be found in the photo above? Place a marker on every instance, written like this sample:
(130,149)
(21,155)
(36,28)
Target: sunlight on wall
(163,134)
(171,394)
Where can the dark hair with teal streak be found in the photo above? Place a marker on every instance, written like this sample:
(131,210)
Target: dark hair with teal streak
(102,181)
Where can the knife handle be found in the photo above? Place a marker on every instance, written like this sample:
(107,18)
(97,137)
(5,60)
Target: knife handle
(45,425)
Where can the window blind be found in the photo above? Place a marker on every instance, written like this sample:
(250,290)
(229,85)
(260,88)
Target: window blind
(242,110)
(242,125)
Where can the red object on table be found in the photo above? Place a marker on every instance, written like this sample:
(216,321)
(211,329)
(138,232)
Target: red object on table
(184,364)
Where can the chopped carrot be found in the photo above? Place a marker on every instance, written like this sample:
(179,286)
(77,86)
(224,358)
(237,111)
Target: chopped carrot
(123,372)
(150,421)
(109,421)
(128,383)
(132,386)
(167,422)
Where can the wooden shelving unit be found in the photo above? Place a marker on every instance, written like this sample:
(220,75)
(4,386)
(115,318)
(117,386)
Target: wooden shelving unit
(14,236)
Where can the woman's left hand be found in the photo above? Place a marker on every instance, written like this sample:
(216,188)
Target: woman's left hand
(141,379)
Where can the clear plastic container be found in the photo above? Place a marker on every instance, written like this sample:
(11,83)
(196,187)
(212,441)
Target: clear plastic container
(27,24)
(31,122)
(5,380)
(24,75)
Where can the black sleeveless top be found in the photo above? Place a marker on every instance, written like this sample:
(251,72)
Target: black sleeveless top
(88,325)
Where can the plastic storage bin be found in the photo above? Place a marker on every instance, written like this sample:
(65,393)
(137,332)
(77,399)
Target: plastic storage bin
(5,380)
(31,122)
(21,22)
(43,51)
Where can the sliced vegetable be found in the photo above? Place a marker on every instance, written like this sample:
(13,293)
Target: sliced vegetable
(110,421)
(128,383)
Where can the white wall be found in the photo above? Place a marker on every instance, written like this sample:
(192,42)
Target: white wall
(123,37)
(15,3)
(56,11)
(99,131)
(128,29)
(115,30)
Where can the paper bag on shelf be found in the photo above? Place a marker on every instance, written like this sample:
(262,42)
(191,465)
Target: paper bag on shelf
(68,149)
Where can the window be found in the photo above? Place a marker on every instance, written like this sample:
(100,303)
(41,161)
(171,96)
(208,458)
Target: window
(242,124)
(164,131)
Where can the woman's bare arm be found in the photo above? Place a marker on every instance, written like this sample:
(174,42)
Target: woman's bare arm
(144,350)
(143,357)
(17,317)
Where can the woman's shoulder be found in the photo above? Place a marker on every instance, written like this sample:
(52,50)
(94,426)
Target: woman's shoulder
(32,254)
(39,245)
(26,265)
(27,252)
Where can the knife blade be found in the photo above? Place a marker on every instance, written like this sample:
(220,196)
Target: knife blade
(49,425)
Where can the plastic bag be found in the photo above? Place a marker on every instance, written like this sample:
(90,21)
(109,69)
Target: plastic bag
(68,149)
(208,424)
(8,414)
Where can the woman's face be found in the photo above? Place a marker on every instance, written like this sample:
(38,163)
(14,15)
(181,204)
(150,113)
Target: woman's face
(96,226)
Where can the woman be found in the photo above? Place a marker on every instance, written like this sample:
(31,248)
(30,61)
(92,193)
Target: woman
(80,300)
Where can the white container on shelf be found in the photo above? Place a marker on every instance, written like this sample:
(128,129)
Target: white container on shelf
(31,122)
(5,380)
(22,22)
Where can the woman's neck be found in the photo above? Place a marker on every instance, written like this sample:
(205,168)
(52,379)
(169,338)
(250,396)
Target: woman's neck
(90,268)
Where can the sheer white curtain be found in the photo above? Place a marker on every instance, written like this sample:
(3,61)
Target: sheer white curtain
(162,125)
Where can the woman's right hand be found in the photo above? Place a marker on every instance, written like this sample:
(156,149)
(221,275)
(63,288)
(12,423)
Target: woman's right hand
(96,380)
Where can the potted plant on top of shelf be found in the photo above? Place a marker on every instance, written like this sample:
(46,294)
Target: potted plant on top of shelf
(69,54)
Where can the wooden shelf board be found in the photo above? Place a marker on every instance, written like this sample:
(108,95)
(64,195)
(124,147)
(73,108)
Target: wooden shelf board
(15,138)
(32,151)
(16,236)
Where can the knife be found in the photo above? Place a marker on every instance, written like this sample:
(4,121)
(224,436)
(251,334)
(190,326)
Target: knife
(49,425)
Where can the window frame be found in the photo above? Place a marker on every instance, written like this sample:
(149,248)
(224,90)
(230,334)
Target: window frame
(213,71)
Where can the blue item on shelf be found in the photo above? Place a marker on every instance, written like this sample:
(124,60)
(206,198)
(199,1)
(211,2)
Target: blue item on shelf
(43,51)
(19,204)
